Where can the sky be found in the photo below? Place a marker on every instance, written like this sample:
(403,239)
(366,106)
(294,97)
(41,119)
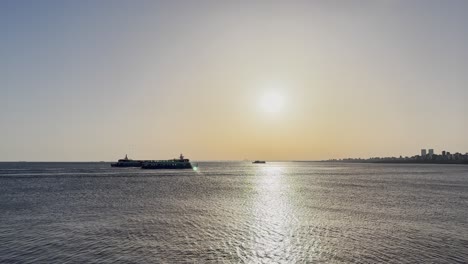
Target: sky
(232,80)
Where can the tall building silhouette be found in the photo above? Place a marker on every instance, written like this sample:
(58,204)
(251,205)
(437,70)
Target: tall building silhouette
(423,152)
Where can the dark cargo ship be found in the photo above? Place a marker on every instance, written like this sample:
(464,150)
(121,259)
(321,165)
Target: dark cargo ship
(180,163)
(126,162)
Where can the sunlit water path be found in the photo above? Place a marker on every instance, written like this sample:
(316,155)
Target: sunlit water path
(290,212)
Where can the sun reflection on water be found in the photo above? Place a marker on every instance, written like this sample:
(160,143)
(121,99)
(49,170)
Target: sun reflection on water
(272,215)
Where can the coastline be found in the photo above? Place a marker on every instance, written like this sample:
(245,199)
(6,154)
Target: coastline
(451,162)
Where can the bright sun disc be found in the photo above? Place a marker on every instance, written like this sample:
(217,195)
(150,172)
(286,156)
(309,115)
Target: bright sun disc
(272,102)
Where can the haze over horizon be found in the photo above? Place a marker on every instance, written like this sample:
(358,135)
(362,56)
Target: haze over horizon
(279,80)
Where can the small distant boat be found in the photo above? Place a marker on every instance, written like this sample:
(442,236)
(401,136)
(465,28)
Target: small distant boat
(259,161)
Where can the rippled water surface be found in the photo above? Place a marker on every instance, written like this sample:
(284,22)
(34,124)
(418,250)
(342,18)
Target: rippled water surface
(291,212)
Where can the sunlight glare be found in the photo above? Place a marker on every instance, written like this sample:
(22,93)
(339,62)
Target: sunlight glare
(272,102)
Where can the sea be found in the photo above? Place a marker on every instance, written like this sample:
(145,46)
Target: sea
(234,212)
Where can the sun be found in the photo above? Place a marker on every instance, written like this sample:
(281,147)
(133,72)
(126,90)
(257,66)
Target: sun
(272,102)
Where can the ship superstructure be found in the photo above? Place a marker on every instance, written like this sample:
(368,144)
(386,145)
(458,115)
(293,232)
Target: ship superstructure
(126,162)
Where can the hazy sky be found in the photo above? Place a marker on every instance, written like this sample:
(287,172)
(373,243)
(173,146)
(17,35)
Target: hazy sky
(216,80)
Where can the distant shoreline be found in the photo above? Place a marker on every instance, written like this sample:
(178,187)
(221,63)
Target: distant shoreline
(452,162)
(448,162)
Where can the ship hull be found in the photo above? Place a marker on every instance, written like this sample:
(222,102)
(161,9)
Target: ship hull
(167,166)
(127,164)
(177,164)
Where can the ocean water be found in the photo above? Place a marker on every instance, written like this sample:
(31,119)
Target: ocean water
(234,212)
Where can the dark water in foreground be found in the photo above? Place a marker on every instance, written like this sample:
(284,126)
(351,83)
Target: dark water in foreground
(234,212)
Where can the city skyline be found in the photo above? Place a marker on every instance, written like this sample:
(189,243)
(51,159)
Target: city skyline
(424,153)
(92,81)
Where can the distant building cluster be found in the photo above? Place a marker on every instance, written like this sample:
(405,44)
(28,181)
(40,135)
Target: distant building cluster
(426,156)
(444,156)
